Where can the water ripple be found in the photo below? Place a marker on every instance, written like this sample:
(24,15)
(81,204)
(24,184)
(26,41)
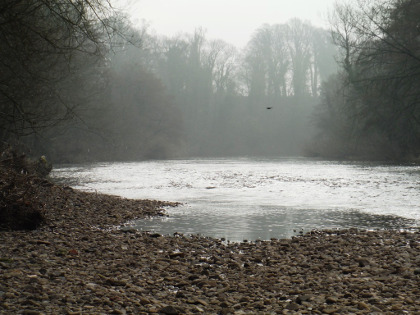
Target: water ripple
(261,198)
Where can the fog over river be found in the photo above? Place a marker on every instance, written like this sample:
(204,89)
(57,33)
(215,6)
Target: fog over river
(255,198)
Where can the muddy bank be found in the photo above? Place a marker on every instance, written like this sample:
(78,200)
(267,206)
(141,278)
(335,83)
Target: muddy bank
(74,264)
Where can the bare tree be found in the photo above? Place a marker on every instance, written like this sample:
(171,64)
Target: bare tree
(267,61)
(300,54)
(46,49)
(381,60)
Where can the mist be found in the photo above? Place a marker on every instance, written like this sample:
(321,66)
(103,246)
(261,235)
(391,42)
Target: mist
(291,159)
(256,101)
(124,92)
(192,96)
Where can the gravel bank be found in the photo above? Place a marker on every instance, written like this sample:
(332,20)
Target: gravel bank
(75,264)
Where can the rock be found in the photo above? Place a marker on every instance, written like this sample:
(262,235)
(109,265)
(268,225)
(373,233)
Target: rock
(174,255)
(396,307)
(73,252)
(144,301)
(331,300)
(43,242)
(362,306)
(170,310)
(202,302)
(135,273)
(292,306)
(363,262)
(153,310)
(116,282)
(331,310)
(129,230)
(91,286)
(303,298)
(30,312)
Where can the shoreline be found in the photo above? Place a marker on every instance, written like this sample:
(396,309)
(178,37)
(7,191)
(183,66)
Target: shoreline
(73,265)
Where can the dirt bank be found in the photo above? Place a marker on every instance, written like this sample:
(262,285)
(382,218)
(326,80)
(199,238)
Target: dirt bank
(74,264)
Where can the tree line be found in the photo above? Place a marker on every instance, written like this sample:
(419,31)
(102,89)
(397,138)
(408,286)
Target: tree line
(79,82)
(370,109)
(254,101)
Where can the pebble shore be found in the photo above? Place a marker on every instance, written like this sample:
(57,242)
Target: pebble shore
(79,263)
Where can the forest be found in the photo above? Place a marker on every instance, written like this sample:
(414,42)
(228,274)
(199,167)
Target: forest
(79,82)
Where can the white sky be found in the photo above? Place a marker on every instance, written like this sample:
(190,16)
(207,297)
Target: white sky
(231,20)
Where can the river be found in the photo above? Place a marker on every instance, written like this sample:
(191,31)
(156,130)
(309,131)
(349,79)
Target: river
(260,198)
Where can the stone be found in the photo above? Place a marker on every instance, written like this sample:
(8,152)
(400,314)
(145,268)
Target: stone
(363,306)
(225,311)
(116,282)
(117,271)
(304,298)
(91,286)
(174,255)
(331,300)
(292,306)
(170,310)
(198,309)
(30,312)
(331,310)
(202,302)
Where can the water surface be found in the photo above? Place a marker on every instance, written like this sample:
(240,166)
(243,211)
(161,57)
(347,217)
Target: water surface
(254,199)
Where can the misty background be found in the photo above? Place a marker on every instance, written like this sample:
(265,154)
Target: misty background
(84,83)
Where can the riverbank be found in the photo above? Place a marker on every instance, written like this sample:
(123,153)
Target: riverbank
(75,263)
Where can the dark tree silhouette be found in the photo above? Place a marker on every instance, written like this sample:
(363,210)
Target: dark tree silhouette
(46,51)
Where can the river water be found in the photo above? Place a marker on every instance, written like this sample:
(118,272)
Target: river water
(251,198)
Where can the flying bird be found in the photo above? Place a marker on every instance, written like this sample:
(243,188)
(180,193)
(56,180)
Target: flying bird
(269,107)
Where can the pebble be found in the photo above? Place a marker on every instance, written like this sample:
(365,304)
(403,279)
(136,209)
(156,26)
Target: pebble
(170,310)
(81,262)
(363,306)
(331,300)
(331,310)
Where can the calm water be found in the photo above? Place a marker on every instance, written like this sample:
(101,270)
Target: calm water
(254,199)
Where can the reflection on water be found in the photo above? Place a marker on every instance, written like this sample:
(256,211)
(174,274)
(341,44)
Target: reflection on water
(281,223)
(261,198)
